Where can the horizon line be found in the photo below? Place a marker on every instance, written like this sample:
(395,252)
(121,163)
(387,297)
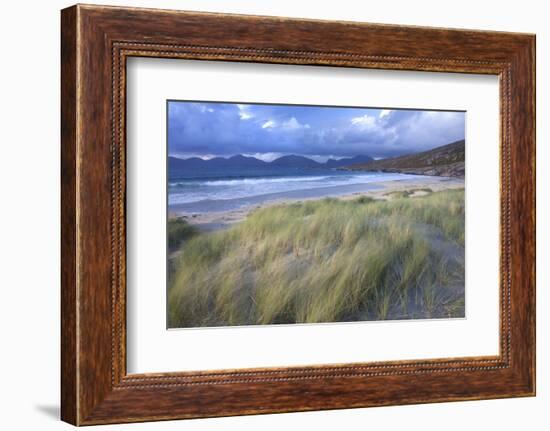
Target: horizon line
(308,156)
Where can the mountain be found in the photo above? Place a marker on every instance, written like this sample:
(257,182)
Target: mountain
(175,163)
(332,163)
(246,162)
(194,163)
(239,161)
(445,161)
(293,161)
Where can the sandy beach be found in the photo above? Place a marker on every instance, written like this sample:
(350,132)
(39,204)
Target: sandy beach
(290,214)
(384,190)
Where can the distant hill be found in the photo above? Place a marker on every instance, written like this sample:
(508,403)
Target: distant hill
(445,161)
(332,163)
(245,162)
(293,161)
(239,161)
(194,163)
(175,163)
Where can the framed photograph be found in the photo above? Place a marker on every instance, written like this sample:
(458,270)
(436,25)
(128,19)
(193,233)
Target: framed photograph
(303,228)
(265,215)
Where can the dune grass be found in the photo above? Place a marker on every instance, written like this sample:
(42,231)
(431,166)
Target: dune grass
(326,260)
(178,231)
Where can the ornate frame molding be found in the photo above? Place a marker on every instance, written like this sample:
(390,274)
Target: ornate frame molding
(96,41)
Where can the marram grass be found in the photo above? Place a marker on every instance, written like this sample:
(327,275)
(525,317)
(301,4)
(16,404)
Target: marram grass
(326,260)
(178,231)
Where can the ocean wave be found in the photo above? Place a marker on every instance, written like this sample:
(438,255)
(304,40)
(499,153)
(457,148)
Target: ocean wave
(249,181)
(257,181)
(186,192)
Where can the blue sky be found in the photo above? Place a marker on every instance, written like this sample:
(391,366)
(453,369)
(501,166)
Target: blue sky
(269,131)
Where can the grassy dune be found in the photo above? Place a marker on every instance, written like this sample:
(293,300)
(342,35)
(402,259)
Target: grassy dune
(179,231)
(326,260)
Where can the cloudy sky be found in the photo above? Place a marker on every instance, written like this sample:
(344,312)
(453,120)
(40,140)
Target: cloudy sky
(269,131)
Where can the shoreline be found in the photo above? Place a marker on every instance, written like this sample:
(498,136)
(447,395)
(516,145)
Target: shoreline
(212,221)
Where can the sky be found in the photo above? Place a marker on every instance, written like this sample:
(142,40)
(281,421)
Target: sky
(213,129)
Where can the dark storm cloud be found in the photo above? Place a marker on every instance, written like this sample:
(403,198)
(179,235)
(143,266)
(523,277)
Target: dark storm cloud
(208,129)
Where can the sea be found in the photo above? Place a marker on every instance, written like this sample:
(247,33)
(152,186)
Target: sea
(220,191)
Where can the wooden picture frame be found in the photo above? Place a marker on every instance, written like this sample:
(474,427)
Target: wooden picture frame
(95,43)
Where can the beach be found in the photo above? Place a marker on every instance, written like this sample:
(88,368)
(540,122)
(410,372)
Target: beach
(209,216)
(280,214)
(392,251)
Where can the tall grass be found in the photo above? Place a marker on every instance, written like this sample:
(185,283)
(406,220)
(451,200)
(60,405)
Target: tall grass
(178,231)
(327,260)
